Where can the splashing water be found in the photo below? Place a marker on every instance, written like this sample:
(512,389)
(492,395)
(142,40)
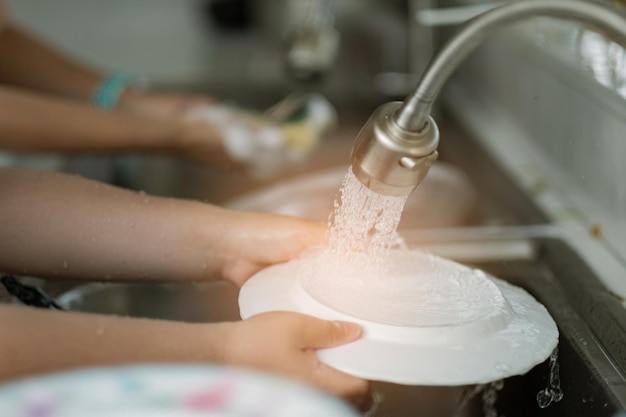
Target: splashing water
(490,396)
(468,395)
(364,221)
(552,393)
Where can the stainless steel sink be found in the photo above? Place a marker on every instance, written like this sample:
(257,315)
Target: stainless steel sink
(592,345)
(206,302)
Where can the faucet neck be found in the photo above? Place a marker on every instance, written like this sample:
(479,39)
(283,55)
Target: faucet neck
(414,112)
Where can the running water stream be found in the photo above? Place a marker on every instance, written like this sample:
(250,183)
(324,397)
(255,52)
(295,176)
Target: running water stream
(364,221)
(552,393)
(363,229)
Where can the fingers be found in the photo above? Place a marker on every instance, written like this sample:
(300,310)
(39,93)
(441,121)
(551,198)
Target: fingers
(288,344)
(339,383)
(317,334)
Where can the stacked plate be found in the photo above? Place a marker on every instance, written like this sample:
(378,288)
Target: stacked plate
(426,320)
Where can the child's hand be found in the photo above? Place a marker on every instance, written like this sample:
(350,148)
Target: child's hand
(285,343)
(161,105)
(250,242)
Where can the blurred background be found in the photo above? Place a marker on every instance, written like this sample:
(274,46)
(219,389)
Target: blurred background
(552,88)
(533,143)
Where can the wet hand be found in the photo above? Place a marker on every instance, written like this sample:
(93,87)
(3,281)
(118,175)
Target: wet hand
(161,105)
(253,241)
(246,139)
(285,343)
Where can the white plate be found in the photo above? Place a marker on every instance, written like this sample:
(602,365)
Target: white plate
(465,328)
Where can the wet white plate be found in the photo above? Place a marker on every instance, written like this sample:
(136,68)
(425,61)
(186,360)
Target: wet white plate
(444,325)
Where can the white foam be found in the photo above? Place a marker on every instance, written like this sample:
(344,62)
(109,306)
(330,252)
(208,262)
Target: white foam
(414,289)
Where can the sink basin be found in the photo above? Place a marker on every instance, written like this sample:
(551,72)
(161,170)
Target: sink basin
(206,302)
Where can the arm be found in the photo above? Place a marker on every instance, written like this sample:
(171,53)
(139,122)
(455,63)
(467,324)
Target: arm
(34,341)
(27,62)
(31,122)
(55,224)
(62,119)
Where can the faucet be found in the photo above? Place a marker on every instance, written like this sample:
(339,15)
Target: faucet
(395,148)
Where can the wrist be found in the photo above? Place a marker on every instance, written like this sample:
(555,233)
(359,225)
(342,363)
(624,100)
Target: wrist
(200,141)
(204,243)
(114,88)
(221,341)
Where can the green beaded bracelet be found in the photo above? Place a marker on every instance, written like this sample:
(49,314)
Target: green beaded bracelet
(108,93)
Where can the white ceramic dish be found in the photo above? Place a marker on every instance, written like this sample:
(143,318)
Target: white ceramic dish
(463,326)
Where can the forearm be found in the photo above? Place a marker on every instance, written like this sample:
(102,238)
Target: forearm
(27,62)
(35,341)
(60,225)
(30,122)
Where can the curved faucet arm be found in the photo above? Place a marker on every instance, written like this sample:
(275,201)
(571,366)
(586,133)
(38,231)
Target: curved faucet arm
(395,148)
(414,112)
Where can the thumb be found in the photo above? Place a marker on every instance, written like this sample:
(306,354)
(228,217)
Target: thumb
(325,334)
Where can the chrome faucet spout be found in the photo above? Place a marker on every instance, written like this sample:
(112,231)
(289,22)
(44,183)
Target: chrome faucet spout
(396,147)
(416,108)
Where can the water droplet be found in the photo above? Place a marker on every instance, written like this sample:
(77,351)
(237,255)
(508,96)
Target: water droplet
(544,398)
(65,265)
(501,368)
(552,393)
(467,396)
(490,396)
